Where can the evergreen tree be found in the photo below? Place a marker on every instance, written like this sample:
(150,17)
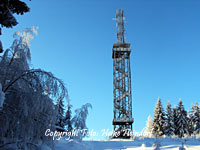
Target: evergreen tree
(182,121)
(60,115)
(175,120)
(149,124)
(10,7)
(159,119)
(68,117)
(169,123)
(199,108)
(196,119)
(190,123)
(7,9)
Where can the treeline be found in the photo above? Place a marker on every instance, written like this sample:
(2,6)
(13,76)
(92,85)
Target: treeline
(174,121)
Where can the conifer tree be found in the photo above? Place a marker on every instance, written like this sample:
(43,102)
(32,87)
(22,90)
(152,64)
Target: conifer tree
(190,122)
(7,9)
(60,115)
(175,120)
(149,124)
(10,7)
(196,119)
(68,117)
(159,119)
(169,123)
(182,123)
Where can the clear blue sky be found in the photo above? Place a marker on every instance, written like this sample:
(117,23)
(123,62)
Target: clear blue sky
(75,43)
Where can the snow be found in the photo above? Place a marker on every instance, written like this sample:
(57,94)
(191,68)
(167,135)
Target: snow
(44,147)
(137,144)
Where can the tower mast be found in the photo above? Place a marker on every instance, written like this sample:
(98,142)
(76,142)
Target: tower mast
(122,97)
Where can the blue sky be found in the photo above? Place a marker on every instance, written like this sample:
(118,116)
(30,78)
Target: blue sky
(75,43)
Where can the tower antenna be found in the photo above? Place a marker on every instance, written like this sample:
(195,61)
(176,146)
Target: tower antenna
(120,25)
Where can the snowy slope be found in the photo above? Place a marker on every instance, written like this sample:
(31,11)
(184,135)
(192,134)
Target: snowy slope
(167,144)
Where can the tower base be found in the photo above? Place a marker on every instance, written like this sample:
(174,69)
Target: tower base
(122,130)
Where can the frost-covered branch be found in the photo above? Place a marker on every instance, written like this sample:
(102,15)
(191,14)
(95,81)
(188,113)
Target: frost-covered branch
(48,83)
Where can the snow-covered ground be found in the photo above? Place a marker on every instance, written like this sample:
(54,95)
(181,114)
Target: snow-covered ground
(167,144)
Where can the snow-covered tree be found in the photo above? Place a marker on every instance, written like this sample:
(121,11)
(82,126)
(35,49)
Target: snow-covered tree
(158,120)
(148,129)
(196,119)
(28,108)
(175,120)
(182,121)
(169,123)
(190,123)
(60,117)
(68,117)
(79,120)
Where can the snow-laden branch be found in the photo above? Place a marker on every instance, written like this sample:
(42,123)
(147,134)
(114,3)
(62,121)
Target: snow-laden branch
(41,80)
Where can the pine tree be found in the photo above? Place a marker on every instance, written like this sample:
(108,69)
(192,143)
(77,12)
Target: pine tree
(169,123)
(159,120)
(196,119)
(175,120)
(190,121)
(60,115)
(7,9)
(68,118)
(182,124)
(10,7)
(149,124)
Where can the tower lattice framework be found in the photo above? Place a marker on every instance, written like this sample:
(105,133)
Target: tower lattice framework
(122,97)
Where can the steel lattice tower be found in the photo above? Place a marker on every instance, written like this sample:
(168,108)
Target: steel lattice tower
(121,80)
